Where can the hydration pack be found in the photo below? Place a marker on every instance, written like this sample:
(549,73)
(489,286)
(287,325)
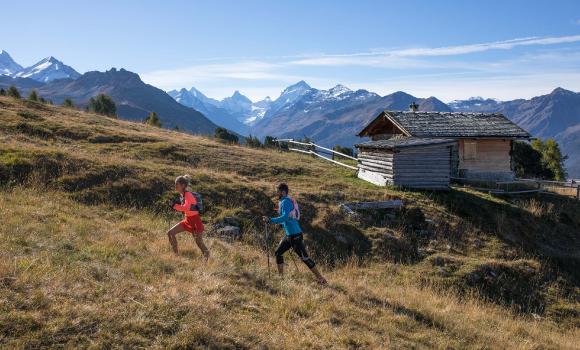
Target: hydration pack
(199,203)
(295,213)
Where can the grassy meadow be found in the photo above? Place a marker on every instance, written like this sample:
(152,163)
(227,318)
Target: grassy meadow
(85,262)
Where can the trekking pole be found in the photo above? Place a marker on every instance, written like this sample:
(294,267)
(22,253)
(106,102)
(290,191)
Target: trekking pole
(294,261)
(267,248)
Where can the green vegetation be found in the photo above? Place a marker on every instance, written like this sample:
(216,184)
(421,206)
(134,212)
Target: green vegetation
(224,135)
(269,142)
(86,262)
(538,159)
(253,141)
(13,92)
(68,103)
(103,105)
(2,92)
(345,150)
(33,96)
(153,120)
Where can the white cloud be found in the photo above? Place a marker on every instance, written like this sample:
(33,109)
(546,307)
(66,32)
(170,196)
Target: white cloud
(245,71)
(438,71)
(396,58)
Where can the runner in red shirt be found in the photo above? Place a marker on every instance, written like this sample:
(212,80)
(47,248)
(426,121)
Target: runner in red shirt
(191,220)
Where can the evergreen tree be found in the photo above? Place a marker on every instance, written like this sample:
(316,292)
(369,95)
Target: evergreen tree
(224,135)
(269,142)
(102,104)
(13,92)
(2,92)
(68,103)
(253,141)
(153,120)
(553,160)
(539,159)
(42,100)
(33,96)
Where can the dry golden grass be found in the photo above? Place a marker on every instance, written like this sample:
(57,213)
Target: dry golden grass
(91,276)
(84,260)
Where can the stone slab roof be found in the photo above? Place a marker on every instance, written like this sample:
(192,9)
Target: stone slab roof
(446,124)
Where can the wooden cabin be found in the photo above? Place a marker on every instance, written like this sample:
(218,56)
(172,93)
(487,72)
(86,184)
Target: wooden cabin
(407,162)
(483,141)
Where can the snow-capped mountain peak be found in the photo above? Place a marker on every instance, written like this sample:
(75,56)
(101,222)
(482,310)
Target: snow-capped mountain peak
(7,65)
(48,69)
(338,90)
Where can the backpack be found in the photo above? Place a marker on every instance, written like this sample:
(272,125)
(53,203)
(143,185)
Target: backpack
(295,213)
(199,201)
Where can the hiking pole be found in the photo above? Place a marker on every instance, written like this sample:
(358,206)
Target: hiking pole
(294,261)
(267,250)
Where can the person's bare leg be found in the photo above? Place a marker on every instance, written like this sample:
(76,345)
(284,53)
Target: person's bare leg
(201,245)
(172,239)
(319,278)
(280,269)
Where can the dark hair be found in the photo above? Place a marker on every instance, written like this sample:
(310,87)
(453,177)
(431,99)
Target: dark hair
(283,187)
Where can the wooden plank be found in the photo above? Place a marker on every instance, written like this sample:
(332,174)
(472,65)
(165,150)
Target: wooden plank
(373,177)
(392,204)
(377,162)
(384,172)
(334,161)
(333,151)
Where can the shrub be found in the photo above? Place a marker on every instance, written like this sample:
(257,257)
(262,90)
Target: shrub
(539,159)
(253,141)
(2,92)
(13,92)
(224,135)
(153,120)
(68,103)
(345,150)
(33,96)
(102,104)
(269,142)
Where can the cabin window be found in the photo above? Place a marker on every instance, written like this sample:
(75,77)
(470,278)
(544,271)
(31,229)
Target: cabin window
(469,150)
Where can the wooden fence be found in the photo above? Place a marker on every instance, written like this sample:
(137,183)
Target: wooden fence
(316,151)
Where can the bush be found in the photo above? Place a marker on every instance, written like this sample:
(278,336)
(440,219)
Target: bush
(269,142)
(539,159)
(153,120)
(253,141)
(345,150)
(2,92)
(102,104)
(33,96)
(13,92)
(68,103)
(224,135)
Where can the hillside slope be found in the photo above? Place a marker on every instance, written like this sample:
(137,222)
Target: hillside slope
(84,260)
(134,99)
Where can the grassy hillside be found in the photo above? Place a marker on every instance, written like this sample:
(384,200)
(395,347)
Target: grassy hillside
(84,260)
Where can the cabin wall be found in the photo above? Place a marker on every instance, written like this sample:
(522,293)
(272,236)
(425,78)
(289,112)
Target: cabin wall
(426,167)
(376,166)
(486,159)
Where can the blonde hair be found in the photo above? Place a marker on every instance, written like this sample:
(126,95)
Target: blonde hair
(184,180)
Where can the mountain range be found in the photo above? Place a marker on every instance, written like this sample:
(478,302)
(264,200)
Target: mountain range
(329,117)
(45,70)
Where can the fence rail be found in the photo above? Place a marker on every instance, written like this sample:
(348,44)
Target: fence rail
(314,149)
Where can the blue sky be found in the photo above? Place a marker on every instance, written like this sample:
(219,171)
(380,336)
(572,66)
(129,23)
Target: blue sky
(448,49)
